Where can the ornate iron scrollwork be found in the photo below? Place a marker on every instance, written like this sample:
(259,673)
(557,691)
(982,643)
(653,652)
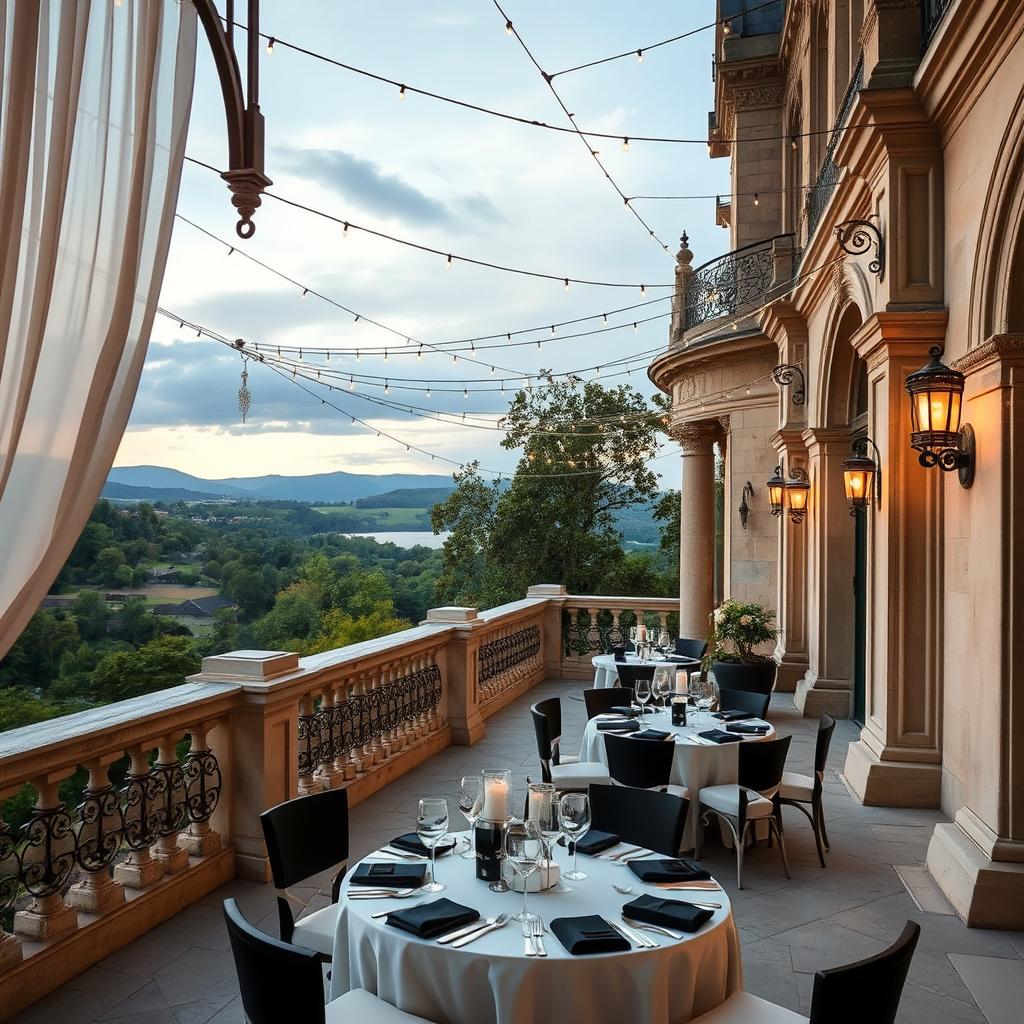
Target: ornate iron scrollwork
(169,787)
(201,775)
(856,237)
(785,374)
(506,652)
(10,868)
(48,857)
(101,828)
(142,816)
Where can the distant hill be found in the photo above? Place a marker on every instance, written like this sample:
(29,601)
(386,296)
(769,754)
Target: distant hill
(407,497)
(319,487)
(125,492)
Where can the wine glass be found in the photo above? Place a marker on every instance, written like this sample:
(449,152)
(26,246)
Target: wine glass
(471,802)
(431,827)
(662,685)
(524,847)
(574,821)
(499,884)
(543,811)
(642,692)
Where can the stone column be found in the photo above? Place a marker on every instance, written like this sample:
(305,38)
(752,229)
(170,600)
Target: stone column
(697,527)
(897,761)
(464,719)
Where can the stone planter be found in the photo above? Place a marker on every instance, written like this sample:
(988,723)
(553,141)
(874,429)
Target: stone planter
(758,677)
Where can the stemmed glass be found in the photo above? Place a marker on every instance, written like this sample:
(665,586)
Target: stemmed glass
(642,692)
(574,820)
(524,848)
(431,827)
(500,885)
(662,685)
(471,802)
(543,811)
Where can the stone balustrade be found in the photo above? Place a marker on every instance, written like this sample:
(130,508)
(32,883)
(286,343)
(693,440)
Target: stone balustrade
(121,816)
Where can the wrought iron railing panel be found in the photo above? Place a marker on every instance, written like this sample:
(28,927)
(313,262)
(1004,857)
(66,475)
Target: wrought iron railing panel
(932,13)
(828,175)
(498,656)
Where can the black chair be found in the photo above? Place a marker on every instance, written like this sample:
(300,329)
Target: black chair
(753,798)
(571,776)
(868,990)
(279,982)
(601,701)
(800,790)
(744,700)
(695,649)
(643,817)
(630,675)
(642,764)
(305,837)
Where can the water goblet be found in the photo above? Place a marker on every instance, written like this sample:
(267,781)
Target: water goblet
(431,827)
(524,848)
(642,692)
(471,802)
(574,820)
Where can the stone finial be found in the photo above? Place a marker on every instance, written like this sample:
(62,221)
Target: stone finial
(684,257)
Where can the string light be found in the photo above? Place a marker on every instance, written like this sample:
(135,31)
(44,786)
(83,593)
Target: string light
(270,45)
(643,289)
(508,26)
(757,201)
(566,284)
(625,149)
(401,92)
(449,263)
(640,56)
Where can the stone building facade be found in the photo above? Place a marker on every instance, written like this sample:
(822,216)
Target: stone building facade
(906,116)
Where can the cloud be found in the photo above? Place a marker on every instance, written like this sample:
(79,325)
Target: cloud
(375,189)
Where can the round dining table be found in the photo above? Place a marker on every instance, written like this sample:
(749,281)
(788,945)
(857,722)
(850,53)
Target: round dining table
(696,762)
(492,981)
(606,671)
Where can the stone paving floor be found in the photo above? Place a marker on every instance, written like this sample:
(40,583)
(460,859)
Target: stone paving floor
(181,972)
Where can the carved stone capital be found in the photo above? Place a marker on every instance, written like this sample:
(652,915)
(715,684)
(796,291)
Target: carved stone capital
(757,97)
(697,438)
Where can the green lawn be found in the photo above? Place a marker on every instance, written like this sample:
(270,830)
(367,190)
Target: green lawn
(384,518)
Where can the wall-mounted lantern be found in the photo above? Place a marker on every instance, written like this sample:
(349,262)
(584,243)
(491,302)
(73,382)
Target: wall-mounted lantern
(789,492)
(862,476)
(776,492)
(936,399)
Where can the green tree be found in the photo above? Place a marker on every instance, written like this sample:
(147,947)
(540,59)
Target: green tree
(157,665)
(91,614)
(249,589)
(468,514)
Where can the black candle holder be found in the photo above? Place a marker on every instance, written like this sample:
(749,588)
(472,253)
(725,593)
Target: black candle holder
(490,839)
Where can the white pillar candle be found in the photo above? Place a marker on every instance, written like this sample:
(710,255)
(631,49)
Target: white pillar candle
(495,800)
(536,805)
(641,633)
(682,682)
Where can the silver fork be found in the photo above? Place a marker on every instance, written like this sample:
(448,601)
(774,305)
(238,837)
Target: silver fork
(537,930)
(628,890)
(622,853)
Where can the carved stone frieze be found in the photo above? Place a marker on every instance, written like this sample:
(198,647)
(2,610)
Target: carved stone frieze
(757,97)
(997,347)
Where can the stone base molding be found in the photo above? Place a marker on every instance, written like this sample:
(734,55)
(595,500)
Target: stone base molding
(889,783)
(985,893)
(814,697)
(790,672)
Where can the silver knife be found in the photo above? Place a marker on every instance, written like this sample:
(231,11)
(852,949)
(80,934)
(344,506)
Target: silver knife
(644,940)
(459,932)
(475,935)
(529,944)
(630,937)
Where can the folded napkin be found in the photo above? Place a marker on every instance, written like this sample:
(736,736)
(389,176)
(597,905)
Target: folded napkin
(595,842)
(720,736)
(390,876)
(412,843)
(682,659)
(431,919)
(668,913)
(625,710)
(734,716)
(670,869)
(652,734)
(748,728)
(589,934)
(618,725)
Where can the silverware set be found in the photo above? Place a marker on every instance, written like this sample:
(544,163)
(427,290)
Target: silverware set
(533,937)
(478,930)
(625,856)
(628,890)
(361,893)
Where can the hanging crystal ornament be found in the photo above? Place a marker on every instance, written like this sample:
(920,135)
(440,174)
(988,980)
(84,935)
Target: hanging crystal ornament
(244,394)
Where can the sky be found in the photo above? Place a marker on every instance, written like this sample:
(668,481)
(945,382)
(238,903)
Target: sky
(449,178)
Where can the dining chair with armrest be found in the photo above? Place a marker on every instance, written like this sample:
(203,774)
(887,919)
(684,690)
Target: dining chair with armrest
(642,764)
(643,817)
(800,790)
(744,700)
(572,776)
(599,701)
(688,648)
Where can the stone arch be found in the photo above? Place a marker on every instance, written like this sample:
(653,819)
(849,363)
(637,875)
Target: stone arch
(848,311)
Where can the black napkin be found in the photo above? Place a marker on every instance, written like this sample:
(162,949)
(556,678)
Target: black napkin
(652,734)
(412,843)
(625,710)
(390,876)
(668,913)
(668,869)
(619,653)
(719,736)
(733,716)
(431,919)
(589,934)
(617,725)
(682,659)
(746,729)
(595,842)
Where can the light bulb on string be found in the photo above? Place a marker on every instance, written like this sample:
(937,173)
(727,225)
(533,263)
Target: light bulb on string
(634,326)
(465,392)
(449,261)
(428,391)
(401,92)
(726,28)
(538,344)
(387,387)
(305,292)
(643,289)
(640,56)
(385,355)
(351,383)
(605,317)
(757,200)
(566,285)
(492,371)
(625,149)
(552,328)
(344,231)
(508,27)
(419,355)
(270,45)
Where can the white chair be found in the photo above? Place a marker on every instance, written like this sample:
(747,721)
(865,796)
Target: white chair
(362,1007)
(799,791)
(743,1008)
(574,776)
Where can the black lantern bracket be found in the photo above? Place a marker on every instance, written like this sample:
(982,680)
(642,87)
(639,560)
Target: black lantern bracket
(960,458)
(744,508)
(244,176)
(797,480)
(786,374)
(857,237)
(860,447)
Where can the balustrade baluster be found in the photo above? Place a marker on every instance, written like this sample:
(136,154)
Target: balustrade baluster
(171,801)
(593,633)
(10,873)
(201,772)
(47,860)
(376,719)
(100,834)
(360,694)
(141,823)
(343,760)
(326,773)
(309,746)
(663,619)
(390,710)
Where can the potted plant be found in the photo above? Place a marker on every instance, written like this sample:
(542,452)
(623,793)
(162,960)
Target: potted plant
(737,629)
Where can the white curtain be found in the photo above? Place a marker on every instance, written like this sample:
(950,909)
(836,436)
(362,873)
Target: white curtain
(94,109)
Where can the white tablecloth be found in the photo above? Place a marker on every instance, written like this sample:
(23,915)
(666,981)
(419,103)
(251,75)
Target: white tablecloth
(490,981)
(606,673)
(695,764)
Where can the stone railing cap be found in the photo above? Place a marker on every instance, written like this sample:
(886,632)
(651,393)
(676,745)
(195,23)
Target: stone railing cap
(249,666)
(451,613)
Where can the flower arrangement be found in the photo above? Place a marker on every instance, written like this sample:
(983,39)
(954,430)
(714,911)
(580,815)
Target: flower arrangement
(737,627)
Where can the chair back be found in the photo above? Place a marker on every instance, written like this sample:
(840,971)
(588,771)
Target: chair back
(744,700)
(305,836)
(826,726)
(547,726)
(643,817)
(867,990)
(691,648)
(599,702)
(762,764)
(629,675)
(278,981)
(643,764)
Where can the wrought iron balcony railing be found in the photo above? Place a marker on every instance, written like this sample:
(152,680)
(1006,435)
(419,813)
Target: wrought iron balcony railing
(932,12)
(828,175)
(731,283)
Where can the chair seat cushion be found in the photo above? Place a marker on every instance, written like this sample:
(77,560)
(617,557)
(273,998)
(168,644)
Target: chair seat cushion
(362,1007)
(579,775)
(743,1008)
(796,787)
(726,799)
(683,791)
(568,758)
(316,930)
